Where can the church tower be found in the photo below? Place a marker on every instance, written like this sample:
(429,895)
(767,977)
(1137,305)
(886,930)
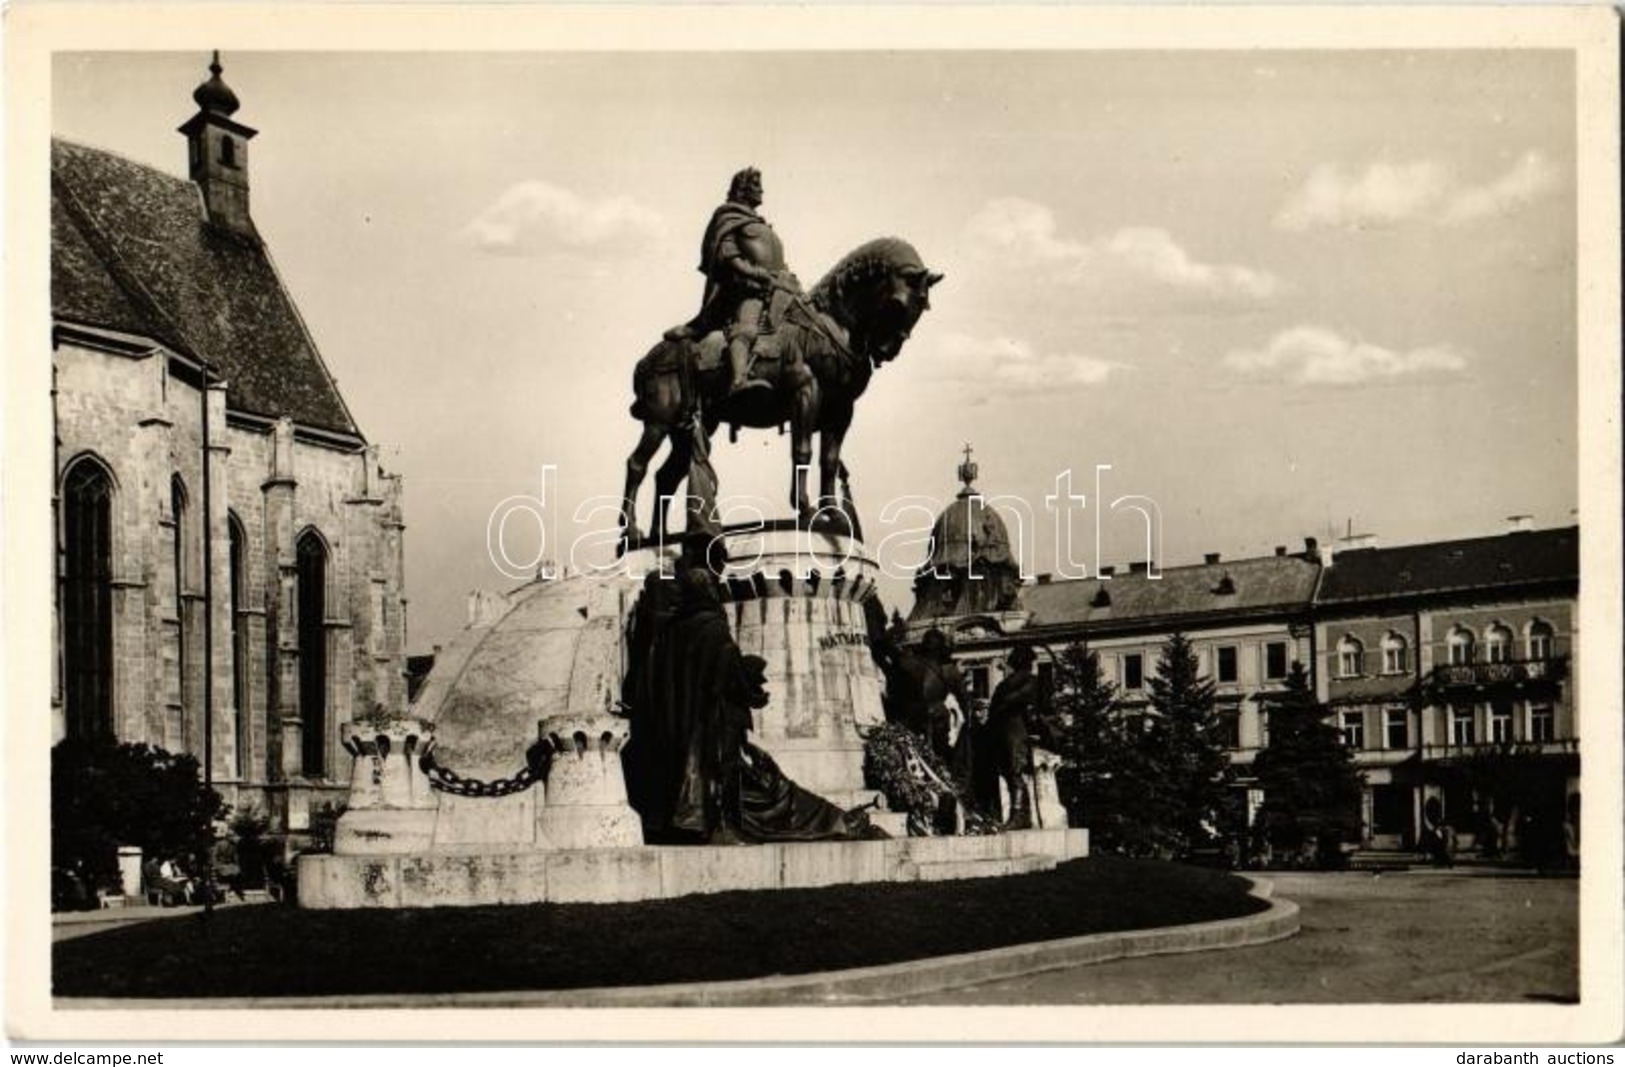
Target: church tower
(217,157)
(973,569)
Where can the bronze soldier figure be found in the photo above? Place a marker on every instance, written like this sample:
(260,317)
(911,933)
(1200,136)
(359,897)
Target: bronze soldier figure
(1015,701)
(926,678)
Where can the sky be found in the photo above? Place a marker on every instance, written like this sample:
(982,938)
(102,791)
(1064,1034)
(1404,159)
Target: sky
(1281,293)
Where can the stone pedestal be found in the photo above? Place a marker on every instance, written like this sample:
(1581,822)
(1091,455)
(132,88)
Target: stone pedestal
(585,804)
(129,870)
(796,599)
(392,806)
(1048,811)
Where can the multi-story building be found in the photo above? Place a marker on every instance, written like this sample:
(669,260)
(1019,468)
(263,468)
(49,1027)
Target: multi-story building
(213,490)
(1428,657)
(1435,654)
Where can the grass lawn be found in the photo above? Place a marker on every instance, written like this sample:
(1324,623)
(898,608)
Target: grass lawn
(272,951)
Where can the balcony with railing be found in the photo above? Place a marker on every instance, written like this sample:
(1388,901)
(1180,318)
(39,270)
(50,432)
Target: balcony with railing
(1555,746)
(1506,672)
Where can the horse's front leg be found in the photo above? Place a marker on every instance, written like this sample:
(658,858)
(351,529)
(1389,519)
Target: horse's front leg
(829,466)
(831,488)
(637,466)
(667,479)
(803,423)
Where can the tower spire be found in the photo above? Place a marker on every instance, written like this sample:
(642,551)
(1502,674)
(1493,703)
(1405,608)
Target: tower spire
(967,472)
(217,152)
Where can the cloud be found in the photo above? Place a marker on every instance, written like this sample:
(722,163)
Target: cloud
(1529,179)
(534,217)
(1388,193)
(1009,366)
(1025,233)
(1313,355)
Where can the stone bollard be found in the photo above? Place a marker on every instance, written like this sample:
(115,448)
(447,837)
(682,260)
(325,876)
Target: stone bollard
(129,871)
(1048,811)
(391,805)
(585,805)
(386,773)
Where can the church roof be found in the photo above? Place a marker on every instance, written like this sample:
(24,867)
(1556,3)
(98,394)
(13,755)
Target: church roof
(132,250)
(1255,586)
(968,529)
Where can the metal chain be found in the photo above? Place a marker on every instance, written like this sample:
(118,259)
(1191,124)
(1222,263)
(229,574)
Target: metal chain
(449,781)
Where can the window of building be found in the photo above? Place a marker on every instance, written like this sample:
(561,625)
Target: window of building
(1046,683)
(1229,728)
(1226,659)
(178,512)
(1460,643)
(1540,640)
(312,581)
(228,152)
(1352,725)
(1542,722)
(1396,728)
(239,642)
(1275,660)
(1461,725)
(1350,657)
(87,600)
(1501,723)
(1396,657)
(977,676)
(1497,644)
(1133,671)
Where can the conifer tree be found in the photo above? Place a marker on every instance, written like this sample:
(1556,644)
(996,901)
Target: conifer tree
(1186,747)
(1088,735)
(1312,789)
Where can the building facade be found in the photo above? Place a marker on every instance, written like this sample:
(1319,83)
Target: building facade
(1439,658)
(1443,665)
(230,559)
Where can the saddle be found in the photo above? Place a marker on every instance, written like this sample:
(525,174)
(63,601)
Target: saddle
(710,351)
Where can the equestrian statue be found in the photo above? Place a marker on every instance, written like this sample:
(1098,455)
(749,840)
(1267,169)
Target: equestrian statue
(763,353)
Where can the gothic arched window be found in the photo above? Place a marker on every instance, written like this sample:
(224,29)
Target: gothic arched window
(238,598)
(87,599)
(179,563)
(312,571)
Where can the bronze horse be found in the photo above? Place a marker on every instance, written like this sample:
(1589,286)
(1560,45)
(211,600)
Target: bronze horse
(818,360)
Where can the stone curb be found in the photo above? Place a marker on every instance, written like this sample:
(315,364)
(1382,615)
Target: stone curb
(857,986)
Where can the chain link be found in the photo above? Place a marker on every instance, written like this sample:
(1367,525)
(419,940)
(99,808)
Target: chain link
(449,781)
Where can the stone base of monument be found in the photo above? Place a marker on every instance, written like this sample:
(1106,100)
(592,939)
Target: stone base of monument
(611,875)
(536,680)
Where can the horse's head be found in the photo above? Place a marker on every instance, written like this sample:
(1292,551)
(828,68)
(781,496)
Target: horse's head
(878,292)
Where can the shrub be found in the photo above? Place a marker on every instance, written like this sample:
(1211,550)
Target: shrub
(105,794)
